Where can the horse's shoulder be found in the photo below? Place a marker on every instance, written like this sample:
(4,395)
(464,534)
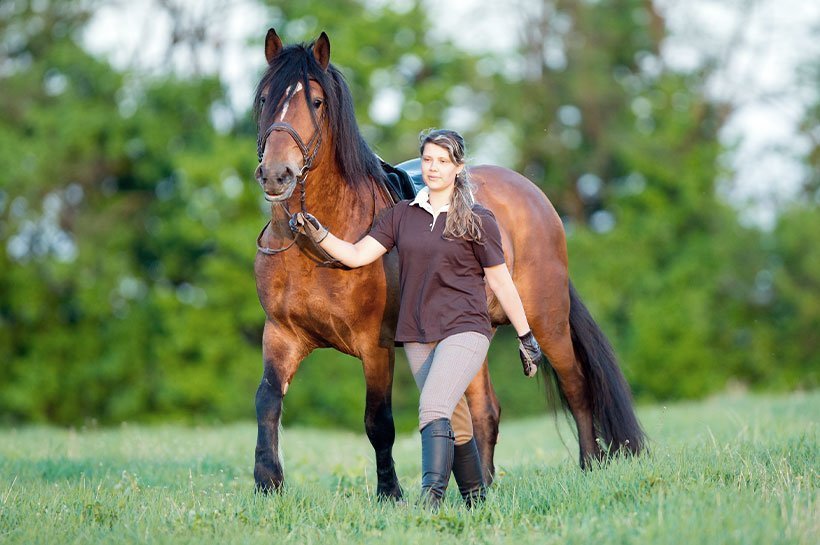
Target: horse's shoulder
(396,211)
(482,210)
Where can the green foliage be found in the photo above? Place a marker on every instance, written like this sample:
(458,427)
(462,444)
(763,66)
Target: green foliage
(127,221)
(387,49)
(628,152)
(119,221)
(787,311)
(729,470)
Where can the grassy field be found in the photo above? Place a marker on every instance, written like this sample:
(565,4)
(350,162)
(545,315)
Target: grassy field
(733,469)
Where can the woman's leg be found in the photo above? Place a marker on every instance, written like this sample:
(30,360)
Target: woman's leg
(420,357)
(466,460)
(462,422)
(465,352)
(443,375)
(446,373)
(468,472)
(436,437)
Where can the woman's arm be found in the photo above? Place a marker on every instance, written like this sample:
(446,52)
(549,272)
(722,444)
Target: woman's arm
(501,283)
(364,252)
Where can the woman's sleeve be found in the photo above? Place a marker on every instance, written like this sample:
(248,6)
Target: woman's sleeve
(491,252)
(384,231)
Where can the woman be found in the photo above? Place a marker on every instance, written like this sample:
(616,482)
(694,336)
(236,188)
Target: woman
(448,245)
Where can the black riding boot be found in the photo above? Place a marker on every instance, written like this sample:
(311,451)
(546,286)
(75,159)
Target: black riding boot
(468,474)
(436,460)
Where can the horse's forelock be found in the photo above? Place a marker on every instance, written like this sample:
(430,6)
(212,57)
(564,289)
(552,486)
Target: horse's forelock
(296,63)
(288,68)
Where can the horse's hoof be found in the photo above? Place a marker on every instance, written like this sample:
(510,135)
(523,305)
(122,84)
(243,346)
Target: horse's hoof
(267,481)
(392,493)
(266,488)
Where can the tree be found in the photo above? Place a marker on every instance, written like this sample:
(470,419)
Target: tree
(628,150)
(108,235)
(127,219)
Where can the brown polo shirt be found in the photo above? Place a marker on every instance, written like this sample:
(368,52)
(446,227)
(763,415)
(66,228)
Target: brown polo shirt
(442,281)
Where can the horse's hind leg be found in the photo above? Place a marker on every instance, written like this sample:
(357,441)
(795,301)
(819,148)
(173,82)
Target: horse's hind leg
(282,356)
(553,333)
(378,418)
(486,414)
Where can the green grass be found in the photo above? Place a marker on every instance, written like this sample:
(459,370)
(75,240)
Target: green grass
(733,469)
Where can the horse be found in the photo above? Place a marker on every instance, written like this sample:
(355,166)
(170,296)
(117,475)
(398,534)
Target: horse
(308,138)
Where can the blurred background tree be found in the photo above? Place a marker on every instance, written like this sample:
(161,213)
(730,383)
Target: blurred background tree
(128,208)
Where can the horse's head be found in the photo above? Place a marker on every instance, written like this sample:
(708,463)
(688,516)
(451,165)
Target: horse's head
(291,105)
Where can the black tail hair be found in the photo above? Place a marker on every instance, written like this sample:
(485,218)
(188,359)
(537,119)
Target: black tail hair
(607,390)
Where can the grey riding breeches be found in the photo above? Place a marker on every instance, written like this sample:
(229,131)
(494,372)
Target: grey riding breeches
(443,370)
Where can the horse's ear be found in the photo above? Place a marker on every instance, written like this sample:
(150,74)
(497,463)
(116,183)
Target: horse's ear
(273,45)
(321,50)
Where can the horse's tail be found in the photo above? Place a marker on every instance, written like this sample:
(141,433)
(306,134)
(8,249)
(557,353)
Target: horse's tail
(609,395)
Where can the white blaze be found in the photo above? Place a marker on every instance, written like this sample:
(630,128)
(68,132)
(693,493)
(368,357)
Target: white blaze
(287,102)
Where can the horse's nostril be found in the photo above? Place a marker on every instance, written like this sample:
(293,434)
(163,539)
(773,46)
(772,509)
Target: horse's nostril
(285,175)
(260,174)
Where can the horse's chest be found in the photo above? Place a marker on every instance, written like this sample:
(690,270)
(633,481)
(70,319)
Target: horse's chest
(323,299)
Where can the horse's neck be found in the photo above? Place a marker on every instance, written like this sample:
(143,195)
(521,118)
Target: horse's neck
(347,209)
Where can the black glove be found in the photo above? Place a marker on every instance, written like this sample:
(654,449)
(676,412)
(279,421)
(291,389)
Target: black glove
(305,224)
(530,353)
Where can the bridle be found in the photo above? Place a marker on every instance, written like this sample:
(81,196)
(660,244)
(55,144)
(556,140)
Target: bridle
(309,153)
(308,156)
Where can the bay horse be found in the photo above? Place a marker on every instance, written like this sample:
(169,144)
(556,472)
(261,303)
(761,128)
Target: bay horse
(308,137)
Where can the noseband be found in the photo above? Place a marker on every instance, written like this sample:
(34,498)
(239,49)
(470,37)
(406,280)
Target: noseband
(308,156)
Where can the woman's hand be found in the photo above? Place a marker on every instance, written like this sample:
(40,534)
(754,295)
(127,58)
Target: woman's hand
(305,224)
(366,251)
(530,353)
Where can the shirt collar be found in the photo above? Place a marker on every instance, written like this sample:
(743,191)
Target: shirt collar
(423,201)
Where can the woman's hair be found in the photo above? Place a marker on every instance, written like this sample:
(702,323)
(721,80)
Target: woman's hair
(462,222)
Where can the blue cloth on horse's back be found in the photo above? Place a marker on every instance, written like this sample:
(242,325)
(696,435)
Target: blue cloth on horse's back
(403,180)
(412,168)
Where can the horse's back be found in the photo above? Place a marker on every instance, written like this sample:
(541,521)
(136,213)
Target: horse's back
(525,215)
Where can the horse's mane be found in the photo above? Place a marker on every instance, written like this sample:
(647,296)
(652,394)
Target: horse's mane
(296,63)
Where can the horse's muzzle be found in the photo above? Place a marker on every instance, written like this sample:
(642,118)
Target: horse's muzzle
(278,183)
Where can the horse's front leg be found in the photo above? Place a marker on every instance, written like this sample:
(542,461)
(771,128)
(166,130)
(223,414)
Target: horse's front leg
(282,354)
(378,418)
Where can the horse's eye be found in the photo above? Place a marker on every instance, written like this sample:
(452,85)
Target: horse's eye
(317,103)
(262,101)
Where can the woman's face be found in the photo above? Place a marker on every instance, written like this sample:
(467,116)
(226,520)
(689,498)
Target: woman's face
(437,169)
